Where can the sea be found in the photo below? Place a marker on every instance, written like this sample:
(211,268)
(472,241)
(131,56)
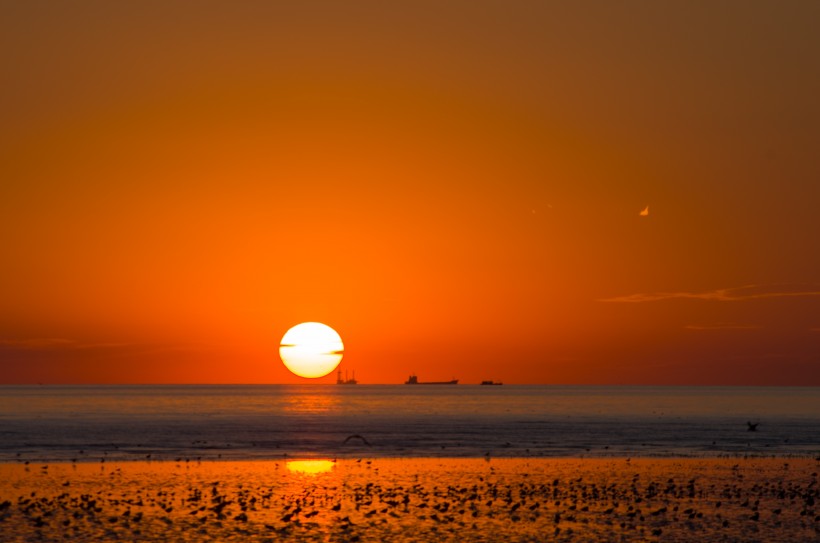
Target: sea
(245,422)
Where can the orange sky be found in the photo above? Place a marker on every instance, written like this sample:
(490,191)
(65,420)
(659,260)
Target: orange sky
(454,188)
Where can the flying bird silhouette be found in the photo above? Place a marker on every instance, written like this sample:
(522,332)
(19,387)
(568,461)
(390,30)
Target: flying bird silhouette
(356,436)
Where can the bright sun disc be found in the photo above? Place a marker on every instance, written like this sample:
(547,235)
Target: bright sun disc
(311,349)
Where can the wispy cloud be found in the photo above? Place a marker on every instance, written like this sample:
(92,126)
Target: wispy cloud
(723,326)
(737,294)
(38,343)
(54,344)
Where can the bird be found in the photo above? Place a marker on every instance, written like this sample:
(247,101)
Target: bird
(356,436)
(752,426)
(644,212)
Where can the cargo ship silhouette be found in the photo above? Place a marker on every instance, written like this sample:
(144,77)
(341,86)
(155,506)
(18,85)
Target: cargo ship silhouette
(414,380)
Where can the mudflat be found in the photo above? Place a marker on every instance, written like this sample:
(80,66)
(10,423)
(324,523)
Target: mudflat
(431,499)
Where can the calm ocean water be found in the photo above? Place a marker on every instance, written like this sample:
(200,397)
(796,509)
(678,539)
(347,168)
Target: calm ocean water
(90,423)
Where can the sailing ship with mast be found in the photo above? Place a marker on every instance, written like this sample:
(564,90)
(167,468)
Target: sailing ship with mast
(346,381)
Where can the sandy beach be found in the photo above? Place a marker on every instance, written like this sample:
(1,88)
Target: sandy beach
(772,499)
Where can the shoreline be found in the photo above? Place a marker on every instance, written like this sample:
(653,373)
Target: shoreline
(104,458)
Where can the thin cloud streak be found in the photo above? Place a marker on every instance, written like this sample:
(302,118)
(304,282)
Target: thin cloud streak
(39,343)
(70,349)
(56,344)
(723,326)
(737,294)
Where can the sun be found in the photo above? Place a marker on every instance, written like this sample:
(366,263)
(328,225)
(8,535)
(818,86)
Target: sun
(311,349)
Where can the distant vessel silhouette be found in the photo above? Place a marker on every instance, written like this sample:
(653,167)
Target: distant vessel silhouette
(496,383)
(346,381)
(414,380)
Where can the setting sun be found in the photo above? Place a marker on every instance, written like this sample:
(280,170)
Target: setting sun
(311,349)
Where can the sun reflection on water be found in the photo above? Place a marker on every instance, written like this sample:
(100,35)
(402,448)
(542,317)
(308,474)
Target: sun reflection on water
(310,467)
(310,403)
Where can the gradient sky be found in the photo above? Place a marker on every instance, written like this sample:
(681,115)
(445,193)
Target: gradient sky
(455,187)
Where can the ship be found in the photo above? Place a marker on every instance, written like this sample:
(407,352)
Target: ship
(346,381)
(414,380)
(492,383)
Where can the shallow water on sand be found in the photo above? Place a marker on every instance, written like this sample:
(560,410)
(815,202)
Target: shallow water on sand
(86,423)
(413,500)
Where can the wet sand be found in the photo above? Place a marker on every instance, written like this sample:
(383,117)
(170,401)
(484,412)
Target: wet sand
(414,500)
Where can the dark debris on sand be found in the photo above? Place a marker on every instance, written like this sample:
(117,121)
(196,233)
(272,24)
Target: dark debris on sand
(623,504)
